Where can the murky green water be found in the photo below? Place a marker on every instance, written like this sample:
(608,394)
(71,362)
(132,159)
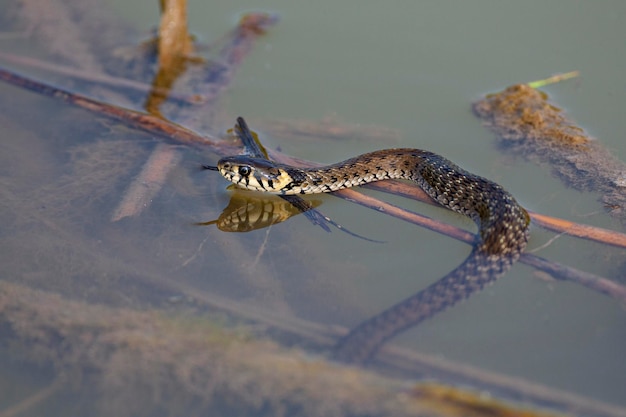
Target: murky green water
(412,66)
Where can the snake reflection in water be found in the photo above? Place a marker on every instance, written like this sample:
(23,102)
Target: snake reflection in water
(502,226)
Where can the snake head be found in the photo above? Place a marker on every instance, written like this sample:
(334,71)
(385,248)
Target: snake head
(255,174)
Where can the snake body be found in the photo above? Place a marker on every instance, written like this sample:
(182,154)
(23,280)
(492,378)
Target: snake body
(502,226)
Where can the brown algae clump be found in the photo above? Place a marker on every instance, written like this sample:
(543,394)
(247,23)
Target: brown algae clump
(526,123)
(522,113)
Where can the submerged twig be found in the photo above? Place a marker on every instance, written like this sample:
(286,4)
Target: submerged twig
(592,233)
(174,49)
(148,183)
(215,79)
(98,78)
(583,231)
(330,128)
(141,121)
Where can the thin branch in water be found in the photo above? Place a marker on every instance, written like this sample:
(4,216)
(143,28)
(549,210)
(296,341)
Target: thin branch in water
(142,121)
(557,78)
(548,243)
(100,78)
(174,49)
(148,183)
(329,128)
(566,273)
(217,78)
(597,234)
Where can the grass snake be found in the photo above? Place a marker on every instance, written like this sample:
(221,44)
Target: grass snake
(502,226)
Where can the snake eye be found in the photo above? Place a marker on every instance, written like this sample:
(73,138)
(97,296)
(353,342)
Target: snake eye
(244,170)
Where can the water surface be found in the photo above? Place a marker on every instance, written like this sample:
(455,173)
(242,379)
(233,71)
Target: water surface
(410,66)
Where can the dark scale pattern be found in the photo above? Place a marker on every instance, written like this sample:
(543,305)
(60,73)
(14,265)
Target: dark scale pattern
(502,231)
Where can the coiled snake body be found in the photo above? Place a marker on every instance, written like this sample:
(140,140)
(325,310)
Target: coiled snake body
(502,226)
